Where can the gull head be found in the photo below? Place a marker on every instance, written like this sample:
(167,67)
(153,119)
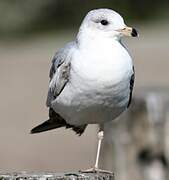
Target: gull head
(105,23)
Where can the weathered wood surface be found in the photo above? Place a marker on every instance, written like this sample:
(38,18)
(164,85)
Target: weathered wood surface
(55,176)
(139,141)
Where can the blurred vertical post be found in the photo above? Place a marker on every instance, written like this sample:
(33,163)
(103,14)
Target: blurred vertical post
(137,145)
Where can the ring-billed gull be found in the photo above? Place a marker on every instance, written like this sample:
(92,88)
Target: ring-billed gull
(91,78)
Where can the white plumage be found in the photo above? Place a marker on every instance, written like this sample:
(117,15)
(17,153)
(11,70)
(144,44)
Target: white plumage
(91,78)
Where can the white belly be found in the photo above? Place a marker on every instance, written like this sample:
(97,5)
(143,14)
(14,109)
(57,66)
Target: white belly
(98,90)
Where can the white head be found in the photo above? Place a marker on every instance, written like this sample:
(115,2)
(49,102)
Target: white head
(105,23)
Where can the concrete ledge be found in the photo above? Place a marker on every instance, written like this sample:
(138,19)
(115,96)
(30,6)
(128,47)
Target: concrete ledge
(55,176)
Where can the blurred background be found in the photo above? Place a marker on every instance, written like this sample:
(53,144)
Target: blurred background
(30,33)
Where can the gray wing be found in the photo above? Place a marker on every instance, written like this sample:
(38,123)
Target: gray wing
(59,76)
(59,71)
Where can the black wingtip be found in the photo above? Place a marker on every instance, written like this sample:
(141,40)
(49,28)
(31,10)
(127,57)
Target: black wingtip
(46,126)
(56,121)
(34,131)
(40,128)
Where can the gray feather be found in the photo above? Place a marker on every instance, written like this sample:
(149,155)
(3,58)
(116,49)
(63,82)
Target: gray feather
(59,71)
(61,56)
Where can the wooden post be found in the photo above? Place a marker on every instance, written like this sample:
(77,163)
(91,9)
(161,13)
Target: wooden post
(55,176)
(137,145)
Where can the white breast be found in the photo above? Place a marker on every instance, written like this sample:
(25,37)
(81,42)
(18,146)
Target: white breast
(99,82)
(102,67)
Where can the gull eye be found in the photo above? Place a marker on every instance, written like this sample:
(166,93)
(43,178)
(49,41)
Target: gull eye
(104,22)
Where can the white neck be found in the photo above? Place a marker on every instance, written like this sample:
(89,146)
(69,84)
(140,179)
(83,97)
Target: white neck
(95,39)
